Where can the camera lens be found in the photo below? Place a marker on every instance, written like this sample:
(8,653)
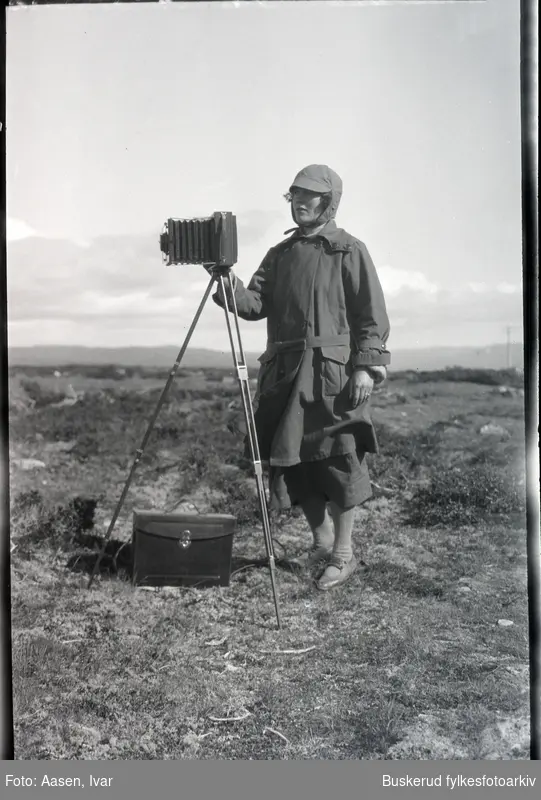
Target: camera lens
(164,242)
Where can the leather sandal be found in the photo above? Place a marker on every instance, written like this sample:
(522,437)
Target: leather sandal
(347,568)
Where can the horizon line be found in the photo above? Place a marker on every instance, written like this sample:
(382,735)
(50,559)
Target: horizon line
(218,350)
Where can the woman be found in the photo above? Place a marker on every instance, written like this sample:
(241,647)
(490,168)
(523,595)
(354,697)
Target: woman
(327,329)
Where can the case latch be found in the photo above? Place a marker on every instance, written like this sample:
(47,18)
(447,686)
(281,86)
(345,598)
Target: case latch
(185,539)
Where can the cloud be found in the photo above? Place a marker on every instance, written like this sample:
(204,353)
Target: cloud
(17,229)
(253,225)
(395,281)
(97,304)
(463,316)
(425,314)
(116,291)
(509,288)
(119,288)
(477,287)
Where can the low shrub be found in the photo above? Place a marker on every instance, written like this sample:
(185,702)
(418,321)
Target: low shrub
(467,495)
(36,522)
(484,377)
(237,497)
(403,455)
(40,395)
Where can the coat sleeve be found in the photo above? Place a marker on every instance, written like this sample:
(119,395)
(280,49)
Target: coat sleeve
(366,310)
(252,300)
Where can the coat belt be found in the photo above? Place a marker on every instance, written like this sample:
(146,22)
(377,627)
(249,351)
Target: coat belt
(308,343)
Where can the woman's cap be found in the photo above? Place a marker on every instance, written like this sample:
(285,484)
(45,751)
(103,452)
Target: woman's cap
(318,178)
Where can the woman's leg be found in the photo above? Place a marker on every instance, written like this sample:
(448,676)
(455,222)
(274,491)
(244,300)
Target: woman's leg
(343,562)
(343,519)
(315,510)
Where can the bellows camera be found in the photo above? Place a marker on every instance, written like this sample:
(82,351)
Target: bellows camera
(206,240)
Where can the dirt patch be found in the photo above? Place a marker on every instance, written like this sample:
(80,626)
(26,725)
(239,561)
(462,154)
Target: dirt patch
(425,741)
(508,738)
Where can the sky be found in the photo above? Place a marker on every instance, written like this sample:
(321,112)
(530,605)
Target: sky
(120,116)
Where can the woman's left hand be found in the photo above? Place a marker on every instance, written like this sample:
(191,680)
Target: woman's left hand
(360,387)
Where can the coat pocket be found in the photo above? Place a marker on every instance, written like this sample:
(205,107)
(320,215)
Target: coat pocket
(333,369)
(267,375)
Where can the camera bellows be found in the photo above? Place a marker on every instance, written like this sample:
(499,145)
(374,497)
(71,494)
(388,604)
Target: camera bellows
(205,240)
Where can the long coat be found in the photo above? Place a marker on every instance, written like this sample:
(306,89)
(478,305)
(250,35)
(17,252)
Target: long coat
(326,315)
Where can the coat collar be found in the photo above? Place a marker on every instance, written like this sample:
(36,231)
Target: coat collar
(333,235)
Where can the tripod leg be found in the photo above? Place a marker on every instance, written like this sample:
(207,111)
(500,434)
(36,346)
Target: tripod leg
(146,437)
(242,375)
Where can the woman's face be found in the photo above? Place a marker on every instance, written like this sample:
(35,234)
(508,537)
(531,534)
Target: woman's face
(307,206)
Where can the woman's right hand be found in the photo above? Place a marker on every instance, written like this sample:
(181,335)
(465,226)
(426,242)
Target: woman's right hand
(361,384)
(219,293)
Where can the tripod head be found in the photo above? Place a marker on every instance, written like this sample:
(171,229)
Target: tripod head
(217,269)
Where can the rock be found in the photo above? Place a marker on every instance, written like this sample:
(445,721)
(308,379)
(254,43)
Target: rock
(72,397)
(60,447)
(67,401)
(230,470)
(29,463)
(490,429)
(505,623)
(185,507)
(381,491)
(506,739)
(170,591)
(84,734)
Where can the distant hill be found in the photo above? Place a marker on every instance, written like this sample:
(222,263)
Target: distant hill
(60,355)
(493,357)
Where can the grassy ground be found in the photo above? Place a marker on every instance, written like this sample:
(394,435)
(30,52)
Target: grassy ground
(423,654)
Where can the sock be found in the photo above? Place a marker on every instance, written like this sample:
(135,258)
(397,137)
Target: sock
(315,511)
(343,529)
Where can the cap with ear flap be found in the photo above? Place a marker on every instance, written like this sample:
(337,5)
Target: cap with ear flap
(323,180)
